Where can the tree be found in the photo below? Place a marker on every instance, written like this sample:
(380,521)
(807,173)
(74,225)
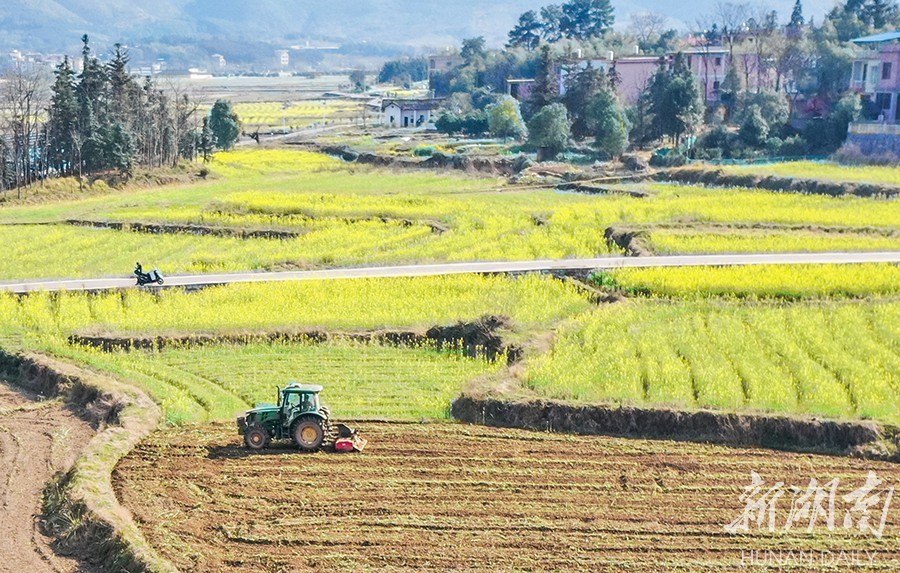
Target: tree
(527,32)
(224,124)
(646,26)
(551,23)
(797,19)
(581,89)
(207,141)
(62,123)
(404,71)
(730,90)
(732,17)
(548,130)
(754,130)
(474,52)
(358,80)
(586,19)
(546,83)
(608,123)
(505,119)
(23,96)
(119,152)
(676,103)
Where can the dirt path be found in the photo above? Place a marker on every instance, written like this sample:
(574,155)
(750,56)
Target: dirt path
(37,439)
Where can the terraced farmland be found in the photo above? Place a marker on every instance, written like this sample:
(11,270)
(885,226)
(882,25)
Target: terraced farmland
(445,497)
(320,212)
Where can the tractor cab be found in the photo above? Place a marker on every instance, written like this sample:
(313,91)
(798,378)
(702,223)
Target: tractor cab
(297,399)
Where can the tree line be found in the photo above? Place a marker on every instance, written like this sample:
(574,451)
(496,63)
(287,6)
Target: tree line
(101,120)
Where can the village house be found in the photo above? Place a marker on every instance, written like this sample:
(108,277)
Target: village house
(443,62)
(408,113)
(708,63)
(876,76)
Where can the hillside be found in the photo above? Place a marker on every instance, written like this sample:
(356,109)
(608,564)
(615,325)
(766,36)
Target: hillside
(56,25)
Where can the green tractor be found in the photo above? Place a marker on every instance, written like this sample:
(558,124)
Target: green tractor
(298,416)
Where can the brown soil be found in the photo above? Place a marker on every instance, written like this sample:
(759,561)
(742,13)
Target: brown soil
(448,497)
(37,440)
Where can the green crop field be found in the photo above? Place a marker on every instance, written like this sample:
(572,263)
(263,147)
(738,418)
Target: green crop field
(830,359)
(361,380)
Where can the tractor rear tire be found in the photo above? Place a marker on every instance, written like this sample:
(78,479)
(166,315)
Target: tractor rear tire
(309,433)
(256,438)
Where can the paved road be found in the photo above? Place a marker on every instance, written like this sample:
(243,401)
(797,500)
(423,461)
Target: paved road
(463,268)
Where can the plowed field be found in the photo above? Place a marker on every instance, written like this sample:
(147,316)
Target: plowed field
(446,497)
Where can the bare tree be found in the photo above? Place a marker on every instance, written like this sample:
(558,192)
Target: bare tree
(647,25)
(732,19)
(23,96)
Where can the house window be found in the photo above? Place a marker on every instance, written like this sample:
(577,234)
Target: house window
(882,101)
(886,69)
(718,62)
(716,85)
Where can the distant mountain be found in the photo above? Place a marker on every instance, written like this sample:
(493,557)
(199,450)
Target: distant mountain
(57,25)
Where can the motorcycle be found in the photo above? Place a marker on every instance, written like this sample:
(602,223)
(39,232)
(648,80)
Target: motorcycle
(153,276)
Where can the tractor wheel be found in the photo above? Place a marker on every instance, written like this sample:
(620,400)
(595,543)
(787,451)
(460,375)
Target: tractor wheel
(256,437)
(309,434)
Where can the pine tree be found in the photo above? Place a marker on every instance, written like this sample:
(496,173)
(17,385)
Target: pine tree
(527,32)
(551,23)
(797,19)
(224,124)
(207,141)
(585,19)
(546,84)
(62,124)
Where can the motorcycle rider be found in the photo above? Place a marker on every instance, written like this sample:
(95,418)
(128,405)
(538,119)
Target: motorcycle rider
(138,269)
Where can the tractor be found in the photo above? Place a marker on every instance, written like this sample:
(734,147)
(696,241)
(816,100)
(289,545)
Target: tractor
(298,416)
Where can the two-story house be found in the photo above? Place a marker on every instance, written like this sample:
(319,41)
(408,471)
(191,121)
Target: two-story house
(876,73)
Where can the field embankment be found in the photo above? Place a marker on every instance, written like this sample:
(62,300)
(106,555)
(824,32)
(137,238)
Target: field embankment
(779,432)
(751,178)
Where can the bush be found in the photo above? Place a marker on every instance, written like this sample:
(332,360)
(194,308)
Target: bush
(667,157)
(774,107)
(794,146)
(505,119)
(423,151)
(754,129)
(549,130)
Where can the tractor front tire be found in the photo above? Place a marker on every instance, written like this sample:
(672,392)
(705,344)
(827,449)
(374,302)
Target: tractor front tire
(309,434)
(256,438)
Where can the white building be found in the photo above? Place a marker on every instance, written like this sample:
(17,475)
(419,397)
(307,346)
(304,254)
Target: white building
(408,112)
